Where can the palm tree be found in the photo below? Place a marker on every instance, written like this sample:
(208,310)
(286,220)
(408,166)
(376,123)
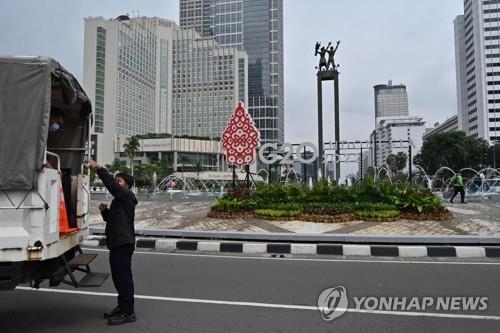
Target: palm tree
(199,168)
(131,147)
(117,166)
(183,160)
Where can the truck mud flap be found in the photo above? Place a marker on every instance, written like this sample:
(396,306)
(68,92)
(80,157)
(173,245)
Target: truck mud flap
(10,274)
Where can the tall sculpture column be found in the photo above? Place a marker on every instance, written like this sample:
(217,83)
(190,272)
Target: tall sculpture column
(337,125)
(321,153)
(327,71)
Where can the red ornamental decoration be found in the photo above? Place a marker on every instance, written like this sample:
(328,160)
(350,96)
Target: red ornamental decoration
(240,138)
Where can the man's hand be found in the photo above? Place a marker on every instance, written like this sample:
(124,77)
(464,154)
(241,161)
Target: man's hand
(103,206)
(92,165)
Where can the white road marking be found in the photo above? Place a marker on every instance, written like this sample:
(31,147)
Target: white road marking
(264,305)
(222,256)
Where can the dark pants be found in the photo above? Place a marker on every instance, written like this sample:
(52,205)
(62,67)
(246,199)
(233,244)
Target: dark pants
(120,260)
(456,190)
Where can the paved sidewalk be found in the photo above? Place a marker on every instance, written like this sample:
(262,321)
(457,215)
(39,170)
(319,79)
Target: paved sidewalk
(475,218)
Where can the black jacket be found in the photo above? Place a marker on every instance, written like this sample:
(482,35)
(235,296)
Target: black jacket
(120,215)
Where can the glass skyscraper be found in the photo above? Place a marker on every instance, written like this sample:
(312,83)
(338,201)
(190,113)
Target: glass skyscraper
(147,75)
(477,56)
(255,26)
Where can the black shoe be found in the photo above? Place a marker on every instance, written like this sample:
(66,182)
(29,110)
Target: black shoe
(122,318)
(112,313)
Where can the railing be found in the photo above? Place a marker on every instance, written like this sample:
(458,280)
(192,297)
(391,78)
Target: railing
(58,159)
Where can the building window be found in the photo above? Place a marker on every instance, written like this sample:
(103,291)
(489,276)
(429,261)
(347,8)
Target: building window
(99,79)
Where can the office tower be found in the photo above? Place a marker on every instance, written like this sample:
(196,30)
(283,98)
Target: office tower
(196,14)
(396,129)
(255,26)
(477,57)
(393,123)
(146,75)
(450,124)
(390,101)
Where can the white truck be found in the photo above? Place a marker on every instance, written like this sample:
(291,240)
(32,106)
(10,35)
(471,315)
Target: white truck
(44,191)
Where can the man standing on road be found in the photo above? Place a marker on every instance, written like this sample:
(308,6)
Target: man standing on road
(120,240)
(458,188)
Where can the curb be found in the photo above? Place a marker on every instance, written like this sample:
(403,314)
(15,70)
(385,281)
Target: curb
(274,248)
(313,238)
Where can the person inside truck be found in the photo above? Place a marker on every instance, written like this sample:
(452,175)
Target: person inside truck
(56,122)
(120,240)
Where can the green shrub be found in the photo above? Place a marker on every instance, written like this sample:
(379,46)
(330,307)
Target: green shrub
(330,199)
(369,206)
(273,193)
(234,205)
(280,206)
(296,193)
(278,212)
(377,213)
(319,208)
(239,192)
(418,202)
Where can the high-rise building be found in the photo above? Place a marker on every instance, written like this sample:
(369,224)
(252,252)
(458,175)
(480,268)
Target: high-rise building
(255,26)
(207,82)
(477,56)
(396,129)
(146,75)
(393,123)
(196,14)
(450,124)
(390,101)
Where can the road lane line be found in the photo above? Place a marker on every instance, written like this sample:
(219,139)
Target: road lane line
(310,259)
(264,305)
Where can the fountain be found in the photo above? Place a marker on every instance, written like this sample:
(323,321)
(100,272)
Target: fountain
(480,184)
(266,172)
(446,183)
(296,178)
(427,178)
(387,173)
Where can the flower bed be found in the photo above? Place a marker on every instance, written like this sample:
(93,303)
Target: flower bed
(368,201)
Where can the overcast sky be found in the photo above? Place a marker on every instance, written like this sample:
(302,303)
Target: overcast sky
(406,41)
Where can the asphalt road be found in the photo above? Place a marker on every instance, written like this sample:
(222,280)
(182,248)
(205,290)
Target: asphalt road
(197,293)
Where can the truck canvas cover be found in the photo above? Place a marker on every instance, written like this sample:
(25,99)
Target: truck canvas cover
(25,101)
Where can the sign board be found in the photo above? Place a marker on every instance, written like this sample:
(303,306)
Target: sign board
(240,138)
(93,147)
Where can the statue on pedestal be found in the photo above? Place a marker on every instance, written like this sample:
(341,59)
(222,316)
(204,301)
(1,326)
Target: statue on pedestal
(331,55)
(325,65)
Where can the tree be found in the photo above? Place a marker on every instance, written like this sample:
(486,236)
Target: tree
(131,147)
(494,155)
(183,160)
(143,173)
(454,150)
(396,162)
(391,163)
(117,166)
(370,172)
(199,168)
(163,169)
